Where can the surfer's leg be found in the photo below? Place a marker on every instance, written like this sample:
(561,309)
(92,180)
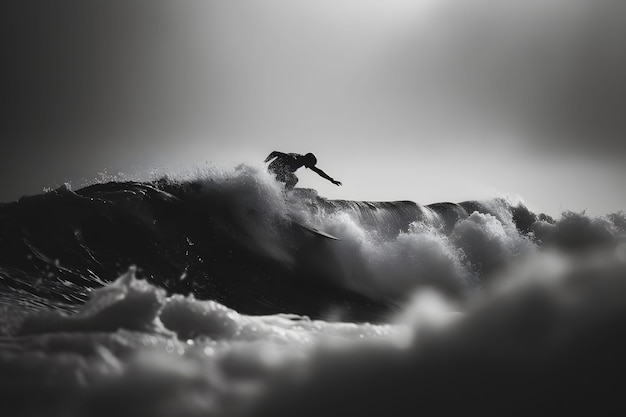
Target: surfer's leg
(279,175)
(290,181)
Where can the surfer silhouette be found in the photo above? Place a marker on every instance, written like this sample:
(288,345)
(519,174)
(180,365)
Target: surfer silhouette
(285,164)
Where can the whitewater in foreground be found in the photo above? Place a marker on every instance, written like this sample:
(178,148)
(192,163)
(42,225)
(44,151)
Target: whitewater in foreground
(202,297)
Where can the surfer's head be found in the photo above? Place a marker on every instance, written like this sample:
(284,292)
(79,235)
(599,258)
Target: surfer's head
(309,160)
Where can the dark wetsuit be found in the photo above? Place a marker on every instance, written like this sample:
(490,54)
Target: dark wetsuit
(284,166)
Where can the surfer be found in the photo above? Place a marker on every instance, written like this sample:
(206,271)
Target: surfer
(285,164)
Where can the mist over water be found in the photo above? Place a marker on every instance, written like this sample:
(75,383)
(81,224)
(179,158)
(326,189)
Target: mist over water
(199,295)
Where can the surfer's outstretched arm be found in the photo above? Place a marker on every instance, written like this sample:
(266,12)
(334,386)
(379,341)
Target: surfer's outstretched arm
(324,175)
(274,155)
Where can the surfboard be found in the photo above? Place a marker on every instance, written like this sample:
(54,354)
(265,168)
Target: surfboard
(315,231)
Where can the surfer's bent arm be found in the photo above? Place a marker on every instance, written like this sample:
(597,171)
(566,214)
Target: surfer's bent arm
(274,155)
(324,175)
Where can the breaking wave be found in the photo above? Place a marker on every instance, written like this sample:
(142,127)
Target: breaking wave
(207,296)
(234,237)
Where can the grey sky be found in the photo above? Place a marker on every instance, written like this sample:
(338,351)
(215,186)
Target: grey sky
(429,100)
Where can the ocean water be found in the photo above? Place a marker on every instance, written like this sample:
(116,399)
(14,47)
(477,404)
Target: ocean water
(201,296)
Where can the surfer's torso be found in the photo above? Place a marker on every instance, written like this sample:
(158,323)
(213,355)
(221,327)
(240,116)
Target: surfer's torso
(284,166)
(286,163)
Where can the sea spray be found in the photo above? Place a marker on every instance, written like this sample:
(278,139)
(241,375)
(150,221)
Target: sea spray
(232,310)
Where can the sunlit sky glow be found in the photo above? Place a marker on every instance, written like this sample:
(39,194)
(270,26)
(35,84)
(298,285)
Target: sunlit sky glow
(400,100)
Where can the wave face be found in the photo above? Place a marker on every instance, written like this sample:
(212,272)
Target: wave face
(231,238)
(203,296)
